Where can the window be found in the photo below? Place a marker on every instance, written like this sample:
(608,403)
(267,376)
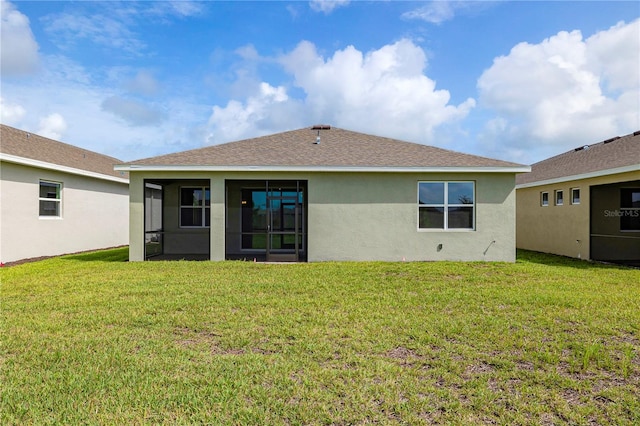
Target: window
(50,199)
(559,198)
(575,195)
(195,207)
(544,199)
(446,205)
(630,209)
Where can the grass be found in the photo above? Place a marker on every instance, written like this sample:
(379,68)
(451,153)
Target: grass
(93,339)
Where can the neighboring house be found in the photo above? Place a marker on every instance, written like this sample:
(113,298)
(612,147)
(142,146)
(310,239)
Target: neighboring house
(584,203)
(56,198)
(322,194)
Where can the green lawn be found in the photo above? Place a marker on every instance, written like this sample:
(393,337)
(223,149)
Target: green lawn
(93,339)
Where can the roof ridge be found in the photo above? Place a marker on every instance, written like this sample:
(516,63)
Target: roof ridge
(32,146)
(338,148)
(593,144)
(616,153)
(75,147)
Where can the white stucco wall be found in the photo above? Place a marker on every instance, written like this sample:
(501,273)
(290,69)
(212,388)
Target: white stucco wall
(95,214)
(366,216)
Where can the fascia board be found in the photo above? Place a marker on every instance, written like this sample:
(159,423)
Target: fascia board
(599,173)
(324,169)
(57,167)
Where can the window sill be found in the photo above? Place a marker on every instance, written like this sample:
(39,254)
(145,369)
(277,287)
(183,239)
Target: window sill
(444,230)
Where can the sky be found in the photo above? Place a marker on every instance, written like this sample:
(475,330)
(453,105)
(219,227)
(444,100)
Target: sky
(513,80)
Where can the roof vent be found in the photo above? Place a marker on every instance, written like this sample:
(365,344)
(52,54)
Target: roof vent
(580,148)
(319,127)
(636,133)
(611,140)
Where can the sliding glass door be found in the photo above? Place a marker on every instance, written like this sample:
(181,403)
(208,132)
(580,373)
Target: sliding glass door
(285,225)
(272,220)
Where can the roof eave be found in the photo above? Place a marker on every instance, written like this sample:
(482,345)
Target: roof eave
(322,169)
(598,173)
(59,168)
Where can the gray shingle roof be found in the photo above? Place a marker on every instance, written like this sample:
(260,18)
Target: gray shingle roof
(610,154)
(28,145)
(337,148)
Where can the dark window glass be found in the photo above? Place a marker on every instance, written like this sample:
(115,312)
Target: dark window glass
(431,217)
(194,207)
(431,193)
(254,241)
(630,220)
(50,190)
(460,193)
(191,197)
(460,218)
(575,196)
(630,198)
(191,216)
(49,208)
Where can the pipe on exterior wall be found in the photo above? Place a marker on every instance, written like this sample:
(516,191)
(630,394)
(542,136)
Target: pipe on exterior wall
(488,247)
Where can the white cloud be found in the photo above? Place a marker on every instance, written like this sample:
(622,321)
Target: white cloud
(439,11)
(327,6)
(67,29)
(268,111)
(434,12)
(615,55)
(384,92)
(52,126)
(18,46)
(554,93)
(180,8)
(11,114)
(79,101)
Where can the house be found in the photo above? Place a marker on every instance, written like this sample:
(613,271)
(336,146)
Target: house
(584,203)
(56,198)
(322,194)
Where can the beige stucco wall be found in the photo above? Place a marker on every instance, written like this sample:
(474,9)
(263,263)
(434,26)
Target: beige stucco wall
(562,230)
(94,214)
(365,216)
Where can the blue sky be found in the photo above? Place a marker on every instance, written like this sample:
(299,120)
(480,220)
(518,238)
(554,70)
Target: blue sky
(519,80)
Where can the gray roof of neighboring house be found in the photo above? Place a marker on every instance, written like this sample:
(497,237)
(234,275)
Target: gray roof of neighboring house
(613,153)
(337,148)
(27,145)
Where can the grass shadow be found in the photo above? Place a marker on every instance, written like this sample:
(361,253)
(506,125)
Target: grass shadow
(557,260)
(119,254)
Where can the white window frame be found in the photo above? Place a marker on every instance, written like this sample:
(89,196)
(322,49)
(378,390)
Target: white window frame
(204,207)
(572,200)
(543,202)
(56,200)
(559,192)
(446,206)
